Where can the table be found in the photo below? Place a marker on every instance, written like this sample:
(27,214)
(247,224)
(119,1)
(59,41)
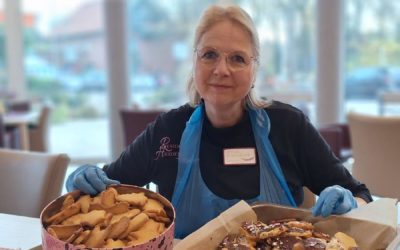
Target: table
(19,232)
(21,121)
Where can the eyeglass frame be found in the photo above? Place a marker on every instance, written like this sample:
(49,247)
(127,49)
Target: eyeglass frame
(227,56)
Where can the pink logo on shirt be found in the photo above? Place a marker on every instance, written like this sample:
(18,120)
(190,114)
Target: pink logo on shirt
(166,149)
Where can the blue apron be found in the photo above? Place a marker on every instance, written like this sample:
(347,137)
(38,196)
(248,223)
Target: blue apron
(195,204)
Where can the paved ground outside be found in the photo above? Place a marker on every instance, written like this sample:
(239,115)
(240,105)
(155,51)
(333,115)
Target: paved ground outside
(81,138)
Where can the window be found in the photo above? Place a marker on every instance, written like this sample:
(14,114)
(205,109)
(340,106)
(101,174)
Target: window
(160,40)
(64,57)
(372,55)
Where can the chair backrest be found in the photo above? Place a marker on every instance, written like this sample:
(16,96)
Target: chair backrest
(338,137)
(38,136)
(346,141)
(376,142)
(2,132)
(30,180)
(135,121)
(9,135)
(333,136)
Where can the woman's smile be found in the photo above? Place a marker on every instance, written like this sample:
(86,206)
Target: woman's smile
(220,87)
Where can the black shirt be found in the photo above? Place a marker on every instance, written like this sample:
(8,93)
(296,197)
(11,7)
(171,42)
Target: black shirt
(305,158)
(226,181)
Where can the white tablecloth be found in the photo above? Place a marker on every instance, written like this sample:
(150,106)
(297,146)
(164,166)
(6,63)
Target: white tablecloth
(19,232)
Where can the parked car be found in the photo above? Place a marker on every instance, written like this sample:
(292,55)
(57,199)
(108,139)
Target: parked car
(365,83)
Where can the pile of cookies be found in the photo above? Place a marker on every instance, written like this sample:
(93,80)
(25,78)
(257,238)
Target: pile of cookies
(290,234)
(108,220)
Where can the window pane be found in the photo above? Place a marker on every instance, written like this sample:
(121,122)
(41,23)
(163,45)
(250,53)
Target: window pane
(287,31)
(161,36)
(65,64)
(372,55)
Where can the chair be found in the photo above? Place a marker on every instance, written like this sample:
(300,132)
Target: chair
(8,136)
(333,136)
(38,134)
(337,135)
(30,180)
(376,142)
(2,133)
(135,121)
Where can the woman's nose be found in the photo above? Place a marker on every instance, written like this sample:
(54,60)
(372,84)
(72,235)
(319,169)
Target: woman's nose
(221,66)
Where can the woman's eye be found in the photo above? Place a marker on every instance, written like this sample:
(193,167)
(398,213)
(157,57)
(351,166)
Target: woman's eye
(210,55)
(238,59)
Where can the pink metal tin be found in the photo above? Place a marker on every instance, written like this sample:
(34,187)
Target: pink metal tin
(163,241)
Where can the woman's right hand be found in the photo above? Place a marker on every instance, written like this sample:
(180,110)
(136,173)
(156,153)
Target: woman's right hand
(89,179)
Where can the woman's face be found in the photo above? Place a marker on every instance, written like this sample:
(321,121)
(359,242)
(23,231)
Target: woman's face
(224,65)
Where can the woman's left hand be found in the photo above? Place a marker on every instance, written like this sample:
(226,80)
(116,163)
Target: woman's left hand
(334,200)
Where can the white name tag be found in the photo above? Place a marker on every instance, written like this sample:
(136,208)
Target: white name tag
(240,156)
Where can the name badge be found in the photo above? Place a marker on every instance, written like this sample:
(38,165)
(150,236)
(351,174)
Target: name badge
(240,156)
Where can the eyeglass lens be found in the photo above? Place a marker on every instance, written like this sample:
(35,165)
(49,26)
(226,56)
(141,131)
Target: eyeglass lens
(235,60)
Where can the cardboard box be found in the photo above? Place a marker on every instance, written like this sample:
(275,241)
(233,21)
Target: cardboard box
(373,226)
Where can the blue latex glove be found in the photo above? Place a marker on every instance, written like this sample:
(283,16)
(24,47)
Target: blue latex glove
(334,200)
(88,179)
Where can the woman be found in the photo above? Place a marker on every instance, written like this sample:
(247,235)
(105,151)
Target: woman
(227,145)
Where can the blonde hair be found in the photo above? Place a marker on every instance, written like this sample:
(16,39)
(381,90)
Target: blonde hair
(215,14)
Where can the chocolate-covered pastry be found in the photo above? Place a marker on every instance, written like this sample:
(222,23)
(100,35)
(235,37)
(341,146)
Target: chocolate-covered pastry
(235,242)
(287,234)
(320,235)
(260,245)
(314,243)
(259,230)
(252,229)
(298,232)
(299,224)
(285,243)
(273,230)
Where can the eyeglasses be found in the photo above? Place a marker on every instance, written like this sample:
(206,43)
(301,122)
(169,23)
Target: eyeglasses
(236,60)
